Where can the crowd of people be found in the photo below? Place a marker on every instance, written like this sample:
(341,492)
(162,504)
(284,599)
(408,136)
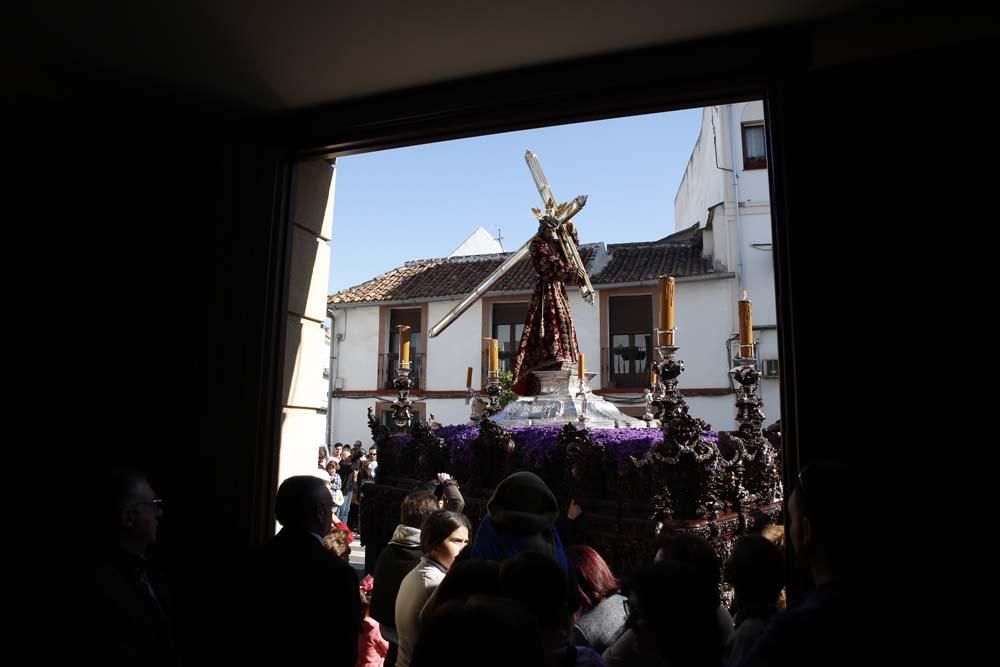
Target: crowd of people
(514,591)
(346,468)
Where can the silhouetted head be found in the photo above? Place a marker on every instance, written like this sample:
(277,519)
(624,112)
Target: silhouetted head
(304,502)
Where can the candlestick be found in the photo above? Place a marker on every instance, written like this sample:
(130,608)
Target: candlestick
(494,353)
(404,345)
(746,326)
(667,320)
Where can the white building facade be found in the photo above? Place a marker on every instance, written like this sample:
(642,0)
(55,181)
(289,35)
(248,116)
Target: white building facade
(725,196)
(615,333)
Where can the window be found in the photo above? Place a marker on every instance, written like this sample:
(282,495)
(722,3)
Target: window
(409,317)
(508,325)
(384,416)
(630,329)
(754,146)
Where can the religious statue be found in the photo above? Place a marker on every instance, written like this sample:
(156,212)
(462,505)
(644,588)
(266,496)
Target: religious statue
(548,377)
(549,337)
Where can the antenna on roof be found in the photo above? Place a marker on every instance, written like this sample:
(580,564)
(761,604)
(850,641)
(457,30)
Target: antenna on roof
(500,239)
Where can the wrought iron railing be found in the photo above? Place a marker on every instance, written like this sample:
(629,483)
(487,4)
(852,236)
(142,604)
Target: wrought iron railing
(388,365)
(625,366)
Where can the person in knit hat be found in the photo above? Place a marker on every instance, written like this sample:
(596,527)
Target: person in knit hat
(520,517)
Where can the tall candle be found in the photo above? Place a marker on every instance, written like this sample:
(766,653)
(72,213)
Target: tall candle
(746,326)
(494,353)
(667,322)
(579,366)
(468,377)
(652,378)
(404,345)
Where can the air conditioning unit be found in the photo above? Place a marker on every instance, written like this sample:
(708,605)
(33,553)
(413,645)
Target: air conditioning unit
(771,368)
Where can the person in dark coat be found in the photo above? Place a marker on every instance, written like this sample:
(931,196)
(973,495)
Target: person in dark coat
(349,464)
(835,624)
(756,571)
(396,561)
(520,517)
(127,606)
(292,585)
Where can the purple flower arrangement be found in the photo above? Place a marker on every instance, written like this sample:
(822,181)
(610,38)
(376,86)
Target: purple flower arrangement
(458,437)
(536,443)
(623,443)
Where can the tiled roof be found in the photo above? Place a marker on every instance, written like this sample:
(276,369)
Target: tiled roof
(635,262)
(690,234)
(457,276)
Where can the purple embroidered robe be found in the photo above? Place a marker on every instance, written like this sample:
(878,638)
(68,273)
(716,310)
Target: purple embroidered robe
(549,336)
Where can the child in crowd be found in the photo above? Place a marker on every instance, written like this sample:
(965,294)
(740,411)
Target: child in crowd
(372,648)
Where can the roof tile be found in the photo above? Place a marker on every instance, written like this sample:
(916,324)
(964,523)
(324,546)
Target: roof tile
(457,276)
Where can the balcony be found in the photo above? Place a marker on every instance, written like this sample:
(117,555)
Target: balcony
(388,365)
(625,367)
(506,359)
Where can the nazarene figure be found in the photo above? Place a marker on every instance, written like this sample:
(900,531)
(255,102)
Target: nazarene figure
(549,338)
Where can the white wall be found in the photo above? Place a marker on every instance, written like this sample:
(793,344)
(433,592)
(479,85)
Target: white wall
(304,390)
(587,320)
(351,420)
(455,349)
(301,438)
(448,410)
(704,310)
(770,389)
(306,355)
(356,364)
(710,307)
(722,241)
(356,346)
(706,317)
(753,183)
(758,263)
(703,184)
(720,411)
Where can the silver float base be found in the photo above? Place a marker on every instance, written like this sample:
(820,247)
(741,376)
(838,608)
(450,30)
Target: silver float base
(565,398)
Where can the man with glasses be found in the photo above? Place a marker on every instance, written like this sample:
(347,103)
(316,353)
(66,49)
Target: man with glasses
(292,585)
(130,607)
(370,465)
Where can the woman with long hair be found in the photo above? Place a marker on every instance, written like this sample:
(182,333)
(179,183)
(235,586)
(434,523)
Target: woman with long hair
(443,535)
(601,615)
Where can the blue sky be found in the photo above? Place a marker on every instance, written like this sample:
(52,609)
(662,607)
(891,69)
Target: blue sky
(423,201)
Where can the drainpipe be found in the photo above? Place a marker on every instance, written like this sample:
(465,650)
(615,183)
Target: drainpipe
(736,194)
(331,379)
(335,365)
